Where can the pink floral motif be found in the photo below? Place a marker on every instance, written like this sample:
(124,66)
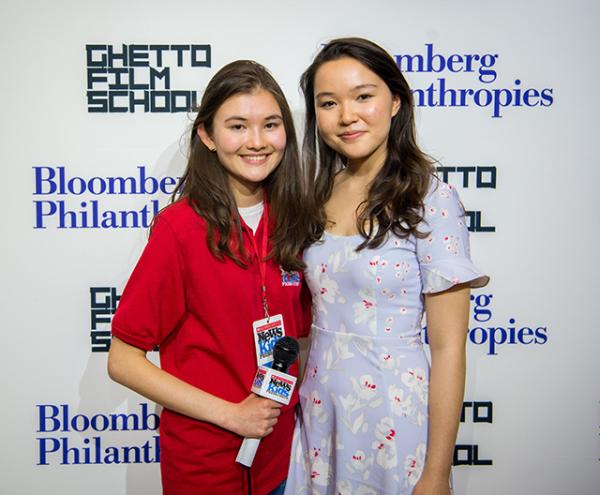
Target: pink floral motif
(385,435)
(413,464)
(450,243)
(401,405)
(365,309)
(416,381)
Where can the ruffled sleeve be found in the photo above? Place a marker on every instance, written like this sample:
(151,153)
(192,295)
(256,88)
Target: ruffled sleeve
(444,255)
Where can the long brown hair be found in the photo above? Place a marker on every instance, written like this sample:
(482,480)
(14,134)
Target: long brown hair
(205,181)
(395,198)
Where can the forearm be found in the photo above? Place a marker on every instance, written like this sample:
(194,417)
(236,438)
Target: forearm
(447,322)
(130,367)
(446,392)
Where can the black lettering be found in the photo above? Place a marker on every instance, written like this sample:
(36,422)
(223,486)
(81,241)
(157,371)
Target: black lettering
(138,56)
(94,76)
(474,223)
(486,177)
(97,101)
(483,412)
(444,171)
(92,61)
(156,74)
(465,171)
(201,56)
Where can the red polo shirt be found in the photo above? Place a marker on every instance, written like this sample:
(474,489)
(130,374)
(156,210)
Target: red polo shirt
(199,311)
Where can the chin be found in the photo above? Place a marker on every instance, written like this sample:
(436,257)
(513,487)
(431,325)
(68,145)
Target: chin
(356,156)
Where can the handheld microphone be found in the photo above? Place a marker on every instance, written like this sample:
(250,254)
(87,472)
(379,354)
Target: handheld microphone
(275,384)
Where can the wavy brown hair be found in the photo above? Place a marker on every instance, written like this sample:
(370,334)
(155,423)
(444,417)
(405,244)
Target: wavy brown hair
(205,181)
(395,198)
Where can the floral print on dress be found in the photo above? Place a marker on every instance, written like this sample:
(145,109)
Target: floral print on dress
(416,381)
(362,424)
(413,465)
(385,444)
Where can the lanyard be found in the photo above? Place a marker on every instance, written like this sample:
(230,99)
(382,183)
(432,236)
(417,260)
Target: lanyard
(262,255)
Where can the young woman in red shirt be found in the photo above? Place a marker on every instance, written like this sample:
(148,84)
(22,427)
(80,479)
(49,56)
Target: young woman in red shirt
(220,257)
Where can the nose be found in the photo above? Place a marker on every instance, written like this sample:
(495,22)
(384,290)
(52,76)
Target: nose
(347,114)
(256,140)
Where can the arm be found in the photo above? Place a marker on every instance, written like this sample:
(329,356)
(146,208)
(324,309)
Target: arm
(254,417)
(447,322)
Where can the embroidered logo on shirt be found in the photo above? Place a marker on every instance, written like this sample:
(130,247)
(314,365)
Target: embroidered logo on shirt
(290,279)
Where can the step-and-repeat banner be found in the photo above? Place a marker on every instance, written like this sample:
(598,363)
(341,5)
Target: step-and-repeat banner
(93,140)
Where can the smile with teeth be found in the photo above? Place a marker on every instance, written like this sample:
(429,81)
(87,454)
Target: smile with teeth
(255,158)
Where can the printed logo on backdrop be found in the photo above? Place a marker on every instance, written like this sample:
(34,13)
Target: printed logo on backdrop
(153,78)
(499,336)
(472,176)
(484,90)
(63,200)
(67,438)
(103,304)
(476,412)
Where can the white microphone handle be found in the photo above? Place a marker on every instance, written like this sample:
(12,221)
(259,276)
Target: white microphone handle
(247,451)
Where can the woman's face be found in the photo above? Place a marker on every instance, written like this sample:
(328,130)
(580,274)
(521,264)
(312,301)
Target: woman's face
(249,137)
(354,109)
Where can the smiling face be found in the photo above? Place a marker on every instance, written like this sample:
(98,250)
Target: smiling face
(248,135)
(354,108)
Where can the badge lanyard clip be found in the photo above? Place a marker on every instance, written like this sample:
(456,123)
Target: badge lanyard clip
(265,303)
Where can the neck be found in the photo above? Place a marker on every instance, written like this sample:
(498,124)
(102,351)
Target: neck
(248,195)
(366,169)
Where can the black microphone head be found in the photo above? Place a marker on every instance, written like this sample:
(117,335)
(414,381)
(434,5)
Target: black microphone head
(285,352)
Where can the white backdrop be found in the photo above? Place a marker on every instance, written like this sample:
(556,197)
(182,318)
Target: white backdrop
(540,371)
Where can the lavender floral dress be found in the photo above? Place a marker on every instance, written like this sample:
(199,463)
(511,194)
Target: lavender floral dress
(362,428)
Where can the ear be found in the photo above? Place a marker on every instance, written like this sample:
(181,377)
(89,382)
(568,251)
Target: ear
(205,138)
(395,105)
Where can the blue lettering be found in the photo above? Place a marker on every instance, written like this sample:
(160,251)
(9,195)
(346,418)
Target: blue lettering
(494,340)
(148,418)
(44,175)
(46,446)
(487,61)
(480,312)
(278,390)
(41,212)
(541,336)
(524,333)
(266,346)
(547,98)
(473,335)
(46,413)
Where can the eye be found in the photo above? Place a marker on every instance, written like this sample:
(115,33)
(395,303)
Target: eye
(272,125)
(236,127)
(364,96)
(327,104)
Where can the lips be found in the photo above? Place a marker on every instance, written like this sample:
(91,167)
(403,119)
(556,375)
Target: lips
(351,135)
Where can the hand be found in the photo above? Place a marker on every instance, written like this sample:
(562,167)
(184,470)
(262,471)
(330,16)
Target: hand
(432,486)
(254,417)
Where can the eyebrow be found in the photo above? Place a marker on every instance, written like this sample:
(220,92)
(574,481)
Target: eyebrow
(355,88)
(244,119)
